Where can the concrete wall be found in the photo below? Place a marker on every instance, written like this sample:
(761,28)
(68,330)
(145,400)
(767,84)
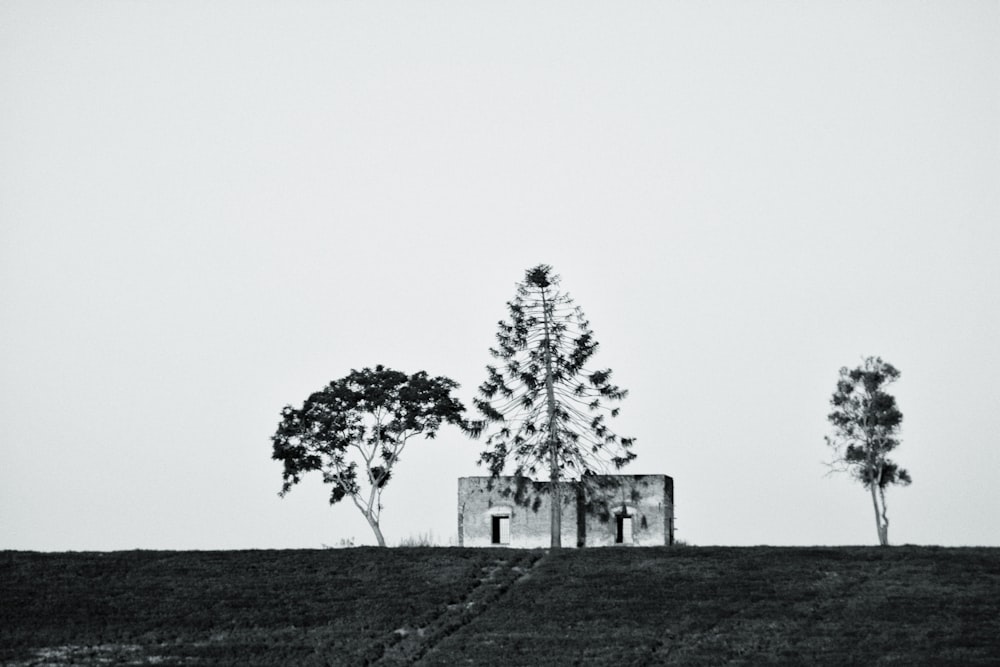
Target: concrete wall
(587,519)
(647,499)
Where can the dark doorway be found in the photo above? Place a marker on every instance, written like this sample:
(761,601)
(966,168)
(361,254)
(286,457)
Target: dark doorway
(501,530)
(624,533)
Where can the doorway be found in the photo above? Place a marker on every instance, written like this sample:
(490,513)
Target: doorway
(501,529)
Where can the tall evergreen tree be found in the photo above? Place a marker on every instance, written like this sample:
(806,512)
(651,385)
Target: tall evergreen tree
(547,409)
(866,426)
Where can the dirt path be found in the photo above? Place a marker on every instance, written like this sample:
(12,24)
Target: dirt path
(412,643)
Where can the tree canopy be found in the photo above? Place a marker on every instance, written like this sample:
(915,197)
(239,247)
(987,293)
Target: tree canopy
(355,429)
(546,410)
(866,423)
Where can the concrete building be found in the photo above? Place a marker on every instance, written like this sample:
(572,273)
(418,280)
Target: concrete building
(616,510)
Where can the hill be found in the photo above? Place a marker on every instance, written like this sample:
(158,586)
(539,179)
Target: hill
(437,606)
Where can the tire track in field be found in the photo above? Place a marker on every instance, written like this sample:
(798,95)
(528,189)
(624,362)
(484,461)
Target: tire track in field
(408,644)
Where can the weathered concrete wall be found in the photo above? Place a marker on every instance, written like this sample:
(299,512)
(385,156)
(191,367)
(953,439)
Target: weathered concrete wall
(481,498)
(587,519)
(647,499)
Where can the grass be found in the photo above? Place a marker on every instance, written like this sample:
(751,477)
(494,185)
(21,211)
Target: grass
(692,606)
(419,540)
(240,607)
(707,606)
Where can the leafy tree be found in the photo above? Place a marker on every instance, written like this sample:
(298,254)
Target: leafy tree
(355,428)
(866,426)
(548,409)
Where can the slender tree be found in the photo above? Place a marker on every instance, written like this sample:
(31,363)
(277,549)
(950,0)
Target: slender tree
(355,429)
(866,425)
(547,409)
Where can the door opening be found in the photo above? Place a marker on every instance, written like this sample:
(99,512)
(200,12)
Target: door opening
(624,533)
(501,530)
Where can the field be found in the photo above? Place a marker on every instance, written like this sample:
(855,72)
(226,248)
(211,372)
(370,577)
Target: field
(446,606)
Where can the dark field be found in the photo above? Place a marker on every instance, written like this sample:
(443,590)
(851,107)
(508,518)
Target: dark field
(444,606)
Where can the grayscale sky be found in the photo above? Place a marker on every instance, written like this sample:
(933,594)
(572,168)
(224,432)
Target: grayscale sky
(209,210)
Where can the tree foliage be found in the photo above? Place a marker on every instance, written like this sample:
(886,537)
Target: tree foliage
(547,411)
(866,423)
(355,429)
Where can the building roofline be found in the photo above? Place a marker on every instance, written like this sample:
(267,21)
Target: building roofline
(529,479)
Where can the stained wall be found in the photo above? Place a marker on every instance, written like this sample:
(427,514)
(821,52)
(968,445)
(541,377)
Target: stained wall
(588,518)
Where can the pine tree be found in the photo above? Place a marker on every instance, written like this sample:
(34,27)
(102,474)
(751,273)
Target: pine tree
(547,409)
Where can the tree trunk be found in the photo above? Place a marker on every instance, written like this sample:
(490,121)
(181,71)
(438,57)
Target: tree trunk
(885,517)
(556,497)
(375,529)
(555,518)
(883,529)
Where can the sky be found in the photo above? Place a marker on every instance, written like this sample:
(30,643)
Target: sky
(209,210)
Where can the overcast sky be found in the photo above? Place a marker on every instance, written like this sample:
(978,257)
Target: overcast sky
(209,210)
